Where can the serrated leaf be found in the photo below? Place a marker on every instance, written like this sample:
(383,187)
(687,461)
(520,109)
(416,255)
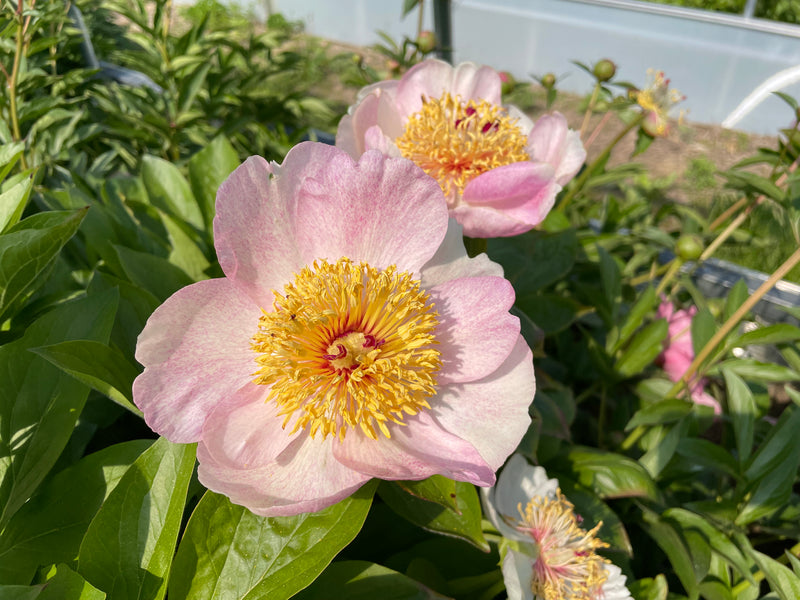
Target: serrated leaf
(39,404)
(464,524)
(48,529)
(229,553)
(99,366)
(127,550)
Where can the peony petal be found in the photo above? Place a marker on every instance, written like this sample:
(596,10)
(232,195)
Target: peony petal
(614,587)
(381,210)
(374,139)
(475,332)
(248,433)
(518,575)
(451,261)
(551,141)
(416,450)
(518,484)
(507,200)
(305,477)
(432,78)
(492,413)
(376,109)
(196,352)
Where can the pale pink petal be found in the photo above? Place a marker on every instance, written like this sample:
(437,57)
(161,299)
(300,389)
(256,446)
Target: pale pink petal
(518,575)
(492,413)
(475,331)
(552,141)
(518,484)
(196,352)
(451,261)
(508,200)
(305,477)
(246,434)
(473,82)
(432,78)
(374,139)
(381,211)
(523,121)
(373,110)
(417,450)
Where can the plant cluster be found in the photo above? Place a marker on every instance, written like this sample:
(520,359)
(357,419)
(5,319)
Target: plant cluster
(664,424)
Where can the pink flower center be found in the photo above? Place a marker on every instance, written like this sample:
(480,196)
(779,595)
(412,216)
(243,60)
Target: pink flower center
(348,346)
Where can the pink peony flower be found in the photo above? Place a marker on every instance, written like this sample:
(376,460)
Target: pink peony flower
(678,351)
(350,338)
(500,173)
(551,556)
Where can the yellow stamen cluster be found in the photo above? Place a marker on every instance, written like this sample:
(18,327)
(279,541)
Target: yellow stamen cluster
(657,96)
(567,568)
(348,346)
(455,141)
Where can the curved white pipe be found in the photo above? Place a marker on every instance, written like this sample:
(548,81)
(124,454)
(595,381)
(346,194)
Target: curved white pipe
(773,84)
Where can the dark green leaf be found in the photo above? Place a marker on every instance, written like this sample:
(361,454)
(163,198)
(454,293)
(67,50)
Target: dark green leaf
(191,85)
(659,454)
(680,555)
(152,273)
(464,524)
(49,528)
(742,410)
(643,349)
(660,413)
(644,305)
(28,248)
(702,452)
(703,328)
(40,404)
(207,170)
(360,580)
(611,475)
(103,368)
(551,312)
(229,553)
(748,181)
(438,489)
(611,278)
(736,298)
(169,190)
(127,550)
(643,141)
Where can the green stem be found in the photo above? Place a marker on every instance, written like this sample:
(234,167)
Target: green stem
(12,82)
(674,267)
(420,17)
(589,169)
(734,319)
(588,114)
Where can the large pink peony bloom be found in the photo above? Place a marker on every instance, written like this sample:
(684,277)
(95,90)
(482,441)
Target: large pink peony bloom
(500,172)
(678,351)
(350,338)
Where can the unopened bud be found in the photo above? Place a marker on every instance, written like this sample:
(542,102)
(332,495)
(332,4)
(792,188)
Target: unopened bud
(548,81)
(604,70)
(507,82)
(426,42)
(689,247)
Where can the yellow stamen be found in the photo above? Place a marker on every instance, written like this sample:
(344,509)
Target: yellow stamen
(455,141)
(348,346)
(567,567)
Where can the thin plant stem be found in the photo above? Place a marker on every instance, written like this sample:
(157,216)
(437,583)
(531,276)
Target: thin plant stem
(420,17)
(589,169)
(728,212)
(674,267)
(12,82)
(649,276)
(734,319)
(588,114)
(596,131)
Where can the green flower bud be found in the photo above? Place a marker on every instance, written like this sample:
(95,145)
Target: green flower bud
(689,247)
(548,81)
(426,42)
(604,70)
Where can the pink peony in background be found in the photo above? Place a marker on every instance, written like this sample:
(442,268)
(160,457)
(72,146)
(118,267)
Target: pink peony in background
(500,171)
(678,351)
(350,338)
